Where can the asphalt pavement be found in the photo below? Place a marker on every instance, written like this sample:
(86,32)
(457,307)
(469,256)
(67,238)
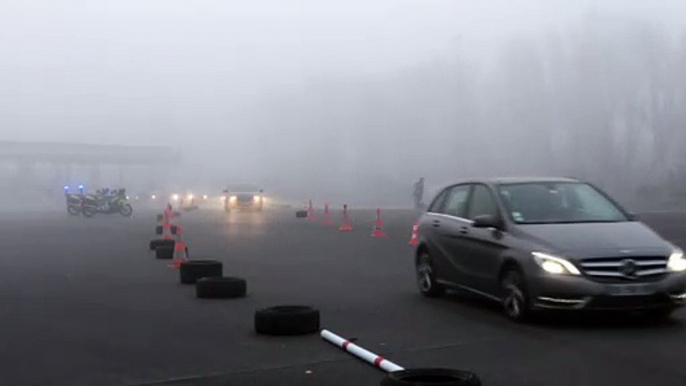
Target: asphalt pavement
(83,302)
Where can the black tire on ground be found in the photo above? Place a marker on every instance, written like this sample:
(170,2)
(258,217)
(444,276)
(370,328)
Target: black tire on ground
(88,212)
(301,214)
(287,320)
(515,299)
(165,252)
(158,230)
(158,243)
(220,287)
(430,377)
(193,270)
(426,277)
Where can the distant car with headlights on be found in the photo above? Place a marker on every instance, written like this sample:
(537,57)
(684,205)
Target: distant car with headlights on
(189,201)
(243,197)
(546,244)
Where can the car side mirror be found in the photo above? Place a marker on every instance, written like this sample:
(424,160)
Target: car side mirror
(261,190)
(225,191)
(633,216)
(487,221)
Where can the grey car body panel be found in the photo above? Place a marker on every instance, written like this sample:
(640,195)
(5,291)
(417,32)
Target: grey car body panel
(597,239)
(472,258)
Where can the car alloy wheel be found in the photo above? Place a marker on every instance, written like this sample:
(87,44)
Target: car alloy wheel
(424,276)
(515,303)
(426,280)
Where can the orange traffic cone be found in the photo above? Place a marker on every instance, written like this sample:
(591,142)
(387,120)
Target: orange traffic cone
(167,231)
(415,234)
(346,227)
(310,211)
(180,255)
(327,215)
(180,250)
(378,225)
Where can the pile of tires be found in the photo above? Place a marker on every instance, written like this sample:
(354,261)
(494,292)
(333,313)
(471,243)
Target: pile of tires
(154,244)
(301,214)
(166,250)
(220,288)
(159,230)
(193,270)
(426,377)
(287,320)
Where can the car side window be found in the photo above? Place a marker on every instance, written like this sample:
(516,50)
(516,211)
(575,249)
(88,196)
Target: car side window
(437,204)
(456,201)
(482,203)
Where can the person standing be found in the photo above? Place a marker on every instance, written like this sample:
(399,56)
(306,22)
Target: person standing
(419,193)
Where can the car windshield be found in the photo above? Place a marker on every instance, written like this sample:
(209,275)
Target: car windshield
(558,203)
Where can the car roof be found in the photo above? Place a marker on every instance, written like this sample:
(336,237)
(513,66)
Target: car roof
(515,180)
(519,180)
(243,187)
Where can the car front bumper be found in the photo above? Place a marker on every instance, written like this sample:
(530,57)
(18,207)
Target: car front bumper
(244,205)
(581,293)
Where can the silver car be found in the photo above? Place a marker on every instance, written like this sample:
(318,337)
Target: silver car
(546,243)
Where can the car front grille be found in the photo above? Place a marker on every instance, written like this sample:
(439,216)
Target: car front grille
(625,267)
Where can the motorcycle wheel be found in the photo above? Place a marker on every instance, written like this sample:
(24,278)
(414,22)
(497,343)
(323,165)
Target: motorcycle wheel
(73,210)
(88,212)
(126,210)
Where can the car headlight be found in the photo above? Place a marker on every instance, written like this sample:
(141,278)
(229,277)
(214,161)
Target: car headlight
(233,198)
(175,197)
(204,197)
(223,198)
(555,265)
(154,197)
(676,262)
(190,196)
(256,198)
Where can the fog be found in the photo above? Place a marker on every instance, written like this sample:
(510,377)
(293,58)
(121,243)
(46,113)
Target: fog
(352,101)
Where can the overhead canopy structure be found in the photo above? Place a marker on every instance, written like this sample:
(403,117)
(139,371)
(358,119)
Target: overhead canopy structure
(86,154)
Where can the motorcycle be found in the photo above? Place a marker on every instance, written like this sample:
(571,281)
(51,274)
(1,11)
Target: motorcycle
(92,204)
(74,204)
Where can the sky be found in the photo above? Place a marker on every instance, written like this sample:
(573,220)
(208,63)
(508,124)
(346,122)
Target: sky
(189,74)
(78,70)
(147,70)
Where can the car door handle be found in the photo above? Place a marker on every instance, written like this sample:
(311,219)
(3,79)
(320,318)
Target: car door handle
(436,224)
(464,230)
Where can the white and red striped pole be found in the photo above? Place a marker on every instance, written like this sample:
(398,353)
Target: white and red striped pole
(368,356)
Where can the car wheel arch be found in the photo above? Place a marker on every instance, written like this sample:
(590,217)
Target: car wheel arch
(508,264)
(421,249)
